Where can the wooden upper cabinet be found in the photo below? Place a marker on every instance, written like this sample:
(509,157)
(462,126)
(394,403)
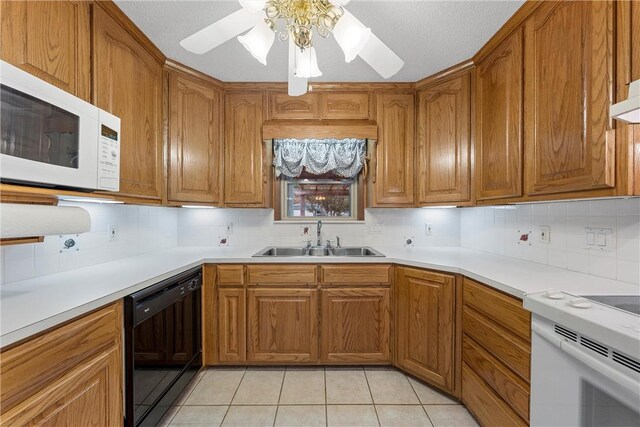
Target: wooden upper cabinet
(244,172)
(425,328)
(392,180)
(127,82)
(283,106)
(51,40)
(349,105)
(499,101)
(194,140)
(568,90)
(444,141)
(283,325)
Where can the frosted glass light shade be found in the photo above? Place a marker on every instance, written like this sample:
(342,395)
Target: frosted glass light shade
(306,63)
(253,6)
(629,109)
(351,35)
(258,41)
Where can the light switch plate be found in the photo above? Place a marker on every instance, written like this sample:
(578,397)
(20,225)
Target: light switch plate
(113,232)
(544,234)
(599,239)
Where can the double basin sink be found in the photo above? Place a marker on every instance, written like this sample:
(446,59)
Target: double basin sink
(290,251)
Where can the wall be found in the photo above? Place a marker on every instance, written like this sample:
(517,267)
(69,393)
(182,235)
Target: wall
(141,229)
(497,229)
(255,227)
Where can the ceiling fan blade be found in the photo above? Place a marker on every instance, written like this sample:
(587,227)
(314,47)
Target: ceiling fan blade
(221,31)
(297,85)
(380,57)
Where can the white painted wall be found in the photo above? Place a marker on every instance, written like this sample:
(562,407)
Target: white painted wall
(497,230)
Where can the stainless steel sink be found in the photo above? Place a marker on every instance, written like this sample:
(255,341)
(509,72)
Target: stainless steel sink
(356,251)
(292,251)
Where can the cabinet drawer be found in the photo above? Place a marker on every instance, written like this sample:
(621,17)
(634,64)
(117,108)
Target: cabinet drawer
(511,388)
(355,274)
(230,275)
(488,408)
(32,366)
(282,274)
(506,347)
(504,310)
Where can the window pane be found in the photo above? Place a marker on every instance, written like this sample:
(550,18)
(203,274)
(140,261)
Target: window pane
(319,199)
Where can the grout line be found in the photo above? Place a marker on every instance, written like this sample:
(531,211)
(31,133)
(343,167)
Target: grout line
(233,397)
(414,389)
(373,402)
(284,374)
(428,417)
(326,399)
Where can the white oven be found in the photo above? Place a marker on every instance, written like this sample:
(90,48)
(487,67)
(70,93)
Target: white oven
(585,367)
(51,138)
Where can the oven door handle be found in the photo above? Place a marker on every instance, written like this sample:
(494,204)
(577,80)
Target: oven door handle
(628,383)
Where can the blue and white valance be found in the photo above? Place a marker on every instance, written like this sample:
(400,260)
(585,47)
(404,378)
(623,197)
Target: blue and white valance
(344,157)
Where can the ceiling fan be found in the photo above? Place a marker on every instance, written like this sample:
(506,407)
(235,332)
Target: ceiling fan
(302,19)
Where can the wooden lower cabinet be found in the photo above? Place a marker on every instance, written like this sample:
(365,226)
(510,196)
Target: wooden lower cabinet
(425,325)
(496,354)
(355,325)
(232,330)
(71,375)
(283,325)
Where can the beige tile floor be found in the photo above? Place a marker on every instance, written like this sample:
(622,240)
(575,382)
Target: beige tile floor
(301,397)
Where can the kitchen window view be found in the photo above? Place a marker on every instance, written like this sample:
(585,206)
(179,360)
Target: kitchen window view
(329,198)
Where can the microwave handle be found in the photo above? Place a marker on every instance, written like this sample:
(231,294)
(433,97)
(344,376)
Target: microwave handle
(593,363)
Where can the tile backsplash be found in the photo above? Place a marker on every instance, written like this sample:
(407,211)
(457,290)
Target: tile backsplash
(255,227)
(498,229)
(495,229)
(140,229)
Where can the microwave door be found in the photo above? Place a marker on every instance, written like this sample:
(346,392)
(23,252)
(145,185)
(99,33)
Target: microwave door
(49,137)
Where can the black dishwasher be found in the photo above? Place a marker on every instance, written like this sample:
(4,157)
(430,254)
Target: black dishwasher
(163,350)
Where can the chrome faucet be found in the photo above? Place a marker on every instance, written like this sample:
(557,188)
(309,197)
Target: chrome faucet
(319,240)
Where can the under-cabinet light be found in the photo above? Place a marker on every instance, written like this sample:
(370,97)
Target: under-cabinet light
(197,207)
(89,200)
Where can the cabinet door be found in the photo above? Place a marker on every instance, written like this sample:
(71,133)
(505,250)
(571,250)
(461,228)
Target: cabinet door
(89,395)
(568,90)
(283,106)
(393,178)
(425,325)
(499,121)
(194,140)
(51,40)
(243,168)
(355,325)
(283,325)
(351,105)
(442,159)
(232,332)
(127,82)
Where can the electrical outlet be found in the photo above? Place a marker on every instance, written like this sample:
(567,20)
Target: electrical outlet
(544,234)
(229,228)
(113,232)
(428,230)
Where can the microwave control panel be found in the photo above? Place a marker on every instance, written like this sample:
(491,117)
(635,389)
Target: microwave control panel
(109,152)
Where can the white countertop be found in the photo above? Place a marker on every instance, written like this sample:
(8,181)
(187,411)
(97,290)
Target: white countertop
(31,306)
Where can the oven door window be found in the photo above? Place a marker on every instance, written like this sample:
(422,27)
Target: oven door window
(35,130)
(163,345)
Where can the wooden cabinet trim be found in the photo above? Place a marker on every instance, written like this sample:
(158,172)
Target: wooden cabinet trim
(232,332)
(348,105)
(283,106)
(231,275)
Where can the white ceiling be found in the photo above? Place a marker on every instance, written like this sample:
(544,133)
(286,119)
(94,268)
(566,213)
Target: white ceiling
(428,35)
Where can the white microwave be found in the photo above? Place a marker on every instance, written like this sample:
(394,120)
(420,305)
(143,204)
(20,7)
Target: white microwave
(51,138)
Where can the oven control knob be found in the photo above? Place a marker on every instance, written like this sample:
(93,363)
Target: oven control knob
(580,303)
(554,294)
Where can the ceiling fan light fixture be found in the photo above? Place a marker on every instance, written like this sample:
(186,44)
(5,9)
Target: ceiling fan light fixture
(351,35)
(258,41)
(306,63)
